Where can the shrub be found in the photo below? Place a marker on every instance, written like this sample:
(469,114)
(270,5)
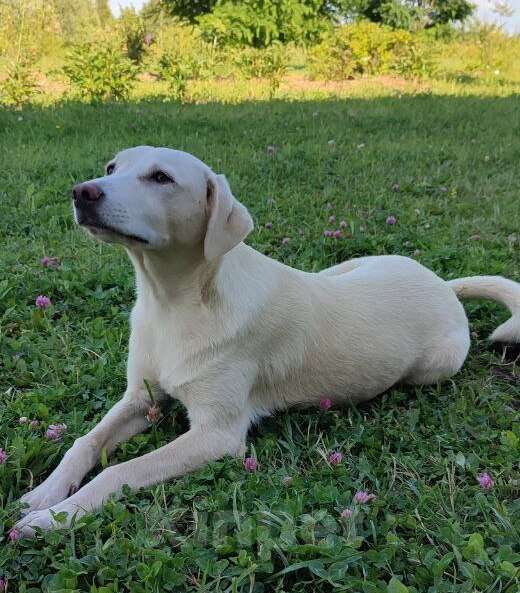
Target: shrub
(365,48)
(19,86)
(133,31)
(409,58)
(176,73)
(269,63)
(178,43)
(100,71)
(489,51)
(483,53)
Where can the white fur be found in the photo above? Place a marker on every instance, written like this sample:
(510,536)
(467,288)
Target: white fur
(235,335)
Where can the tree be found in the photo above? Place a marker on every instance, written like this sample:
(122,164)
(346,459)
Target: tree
(407,14)
(262,22)
(104,12)
(189,9)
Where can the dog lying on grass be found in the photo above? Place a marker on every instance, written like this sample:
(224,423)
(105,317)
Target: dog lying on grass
(235,335)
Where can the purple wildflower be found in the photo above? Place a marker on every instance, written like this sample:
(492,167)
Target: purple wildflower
(43,302)
(335,458)
(55,431)
(3,456)
(391,220)
(362,497)
(325,403)
(250,464)
(485,481)
(50,262)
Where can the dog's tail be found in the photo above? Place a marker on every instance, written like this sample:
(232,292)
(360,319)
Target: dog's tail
(496,288)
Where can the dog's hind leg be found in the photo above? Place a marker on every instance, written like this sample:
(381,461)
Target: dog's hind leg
(441,362)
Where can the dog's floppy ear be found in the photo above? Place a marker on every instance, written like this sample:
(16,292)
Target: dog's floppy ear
(229,221)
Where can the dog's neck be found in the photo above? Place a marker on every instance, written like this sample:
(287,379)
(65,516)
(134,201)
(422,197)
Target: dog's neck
(173,279)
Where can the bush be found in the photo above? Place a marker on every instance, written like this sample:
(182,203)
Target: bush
(100,71)
(133,31)
(19,86)
(365,48)
(180,54)
(175,44)
(482,53)
(269,63)
(176,73)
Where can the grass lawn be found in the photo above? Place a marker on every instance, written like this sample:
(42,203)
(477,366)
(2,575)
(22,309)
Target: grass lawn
(431,528)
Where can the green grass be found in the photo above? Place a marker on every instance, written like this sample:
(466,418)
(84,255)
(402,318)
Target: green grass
(431,528)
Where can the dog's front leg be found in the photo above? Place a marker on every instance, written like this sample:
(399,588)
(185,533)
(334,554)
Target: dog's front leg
(126,418)
(196,447)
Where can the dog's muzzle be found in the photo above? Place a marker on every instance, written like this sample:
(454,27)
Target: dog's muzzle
(86,197)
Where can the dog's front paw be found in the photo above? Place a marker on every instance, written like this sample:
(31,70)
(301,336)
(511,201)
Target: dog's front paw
(47,494)
(43,519)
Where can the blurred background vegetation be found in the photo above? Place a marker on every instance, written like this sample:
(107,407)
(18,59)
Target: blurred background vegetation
(202,50)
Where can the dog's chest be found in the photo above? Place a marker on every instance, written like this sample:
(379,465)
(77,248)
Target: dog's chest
(178,354)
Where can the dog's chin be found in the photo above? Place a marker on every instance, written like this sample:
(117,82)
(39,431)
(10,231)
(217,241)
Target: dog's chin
(109,234)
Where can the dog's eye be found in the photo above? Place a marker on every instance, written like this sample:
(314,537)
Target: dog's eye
(111,168)
(161,177)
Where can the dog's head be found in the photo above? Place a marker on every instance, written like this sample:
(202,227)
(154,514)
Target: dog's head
(158,198)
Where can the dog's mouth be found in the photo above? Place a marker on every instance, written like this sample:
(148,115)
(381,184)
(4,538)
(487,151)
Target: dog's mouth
(98,228)
(89,219)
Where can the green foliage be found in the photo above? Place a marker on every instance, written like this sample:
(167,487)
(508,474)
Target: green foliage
(76,20)
(269,63)
(188,9)
(407,14)
(397,15)
(176,72)
(100,71)
(482,53)
(178,43)
(133,30)
(261,23)
(27,28)
(366,48)
(19,86)
(103,11)
(180,54)
(446,11)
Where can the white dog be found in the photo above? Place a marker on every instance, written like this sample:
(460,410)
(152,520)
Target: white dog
(235,335)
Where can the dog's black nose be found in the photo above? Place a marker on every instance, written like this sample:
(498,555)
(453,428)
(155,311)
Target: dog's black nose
(88,191)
